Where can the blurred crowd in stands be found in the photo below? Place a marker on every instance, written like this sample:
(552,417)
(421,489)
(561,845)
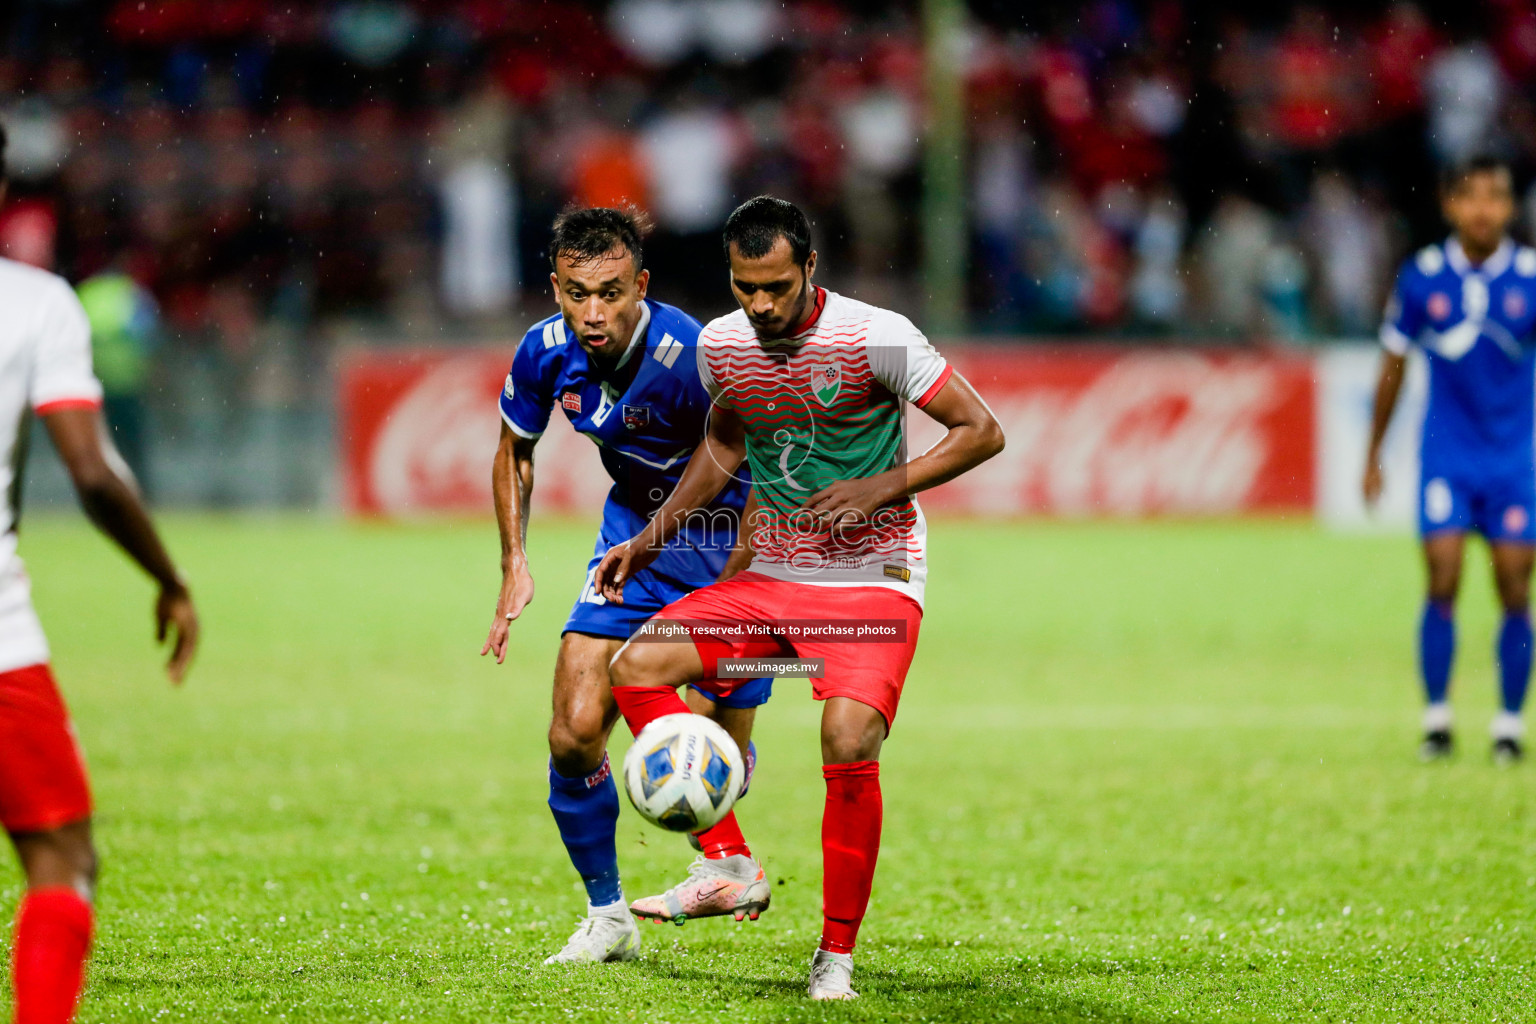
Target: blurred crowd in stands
(277,175)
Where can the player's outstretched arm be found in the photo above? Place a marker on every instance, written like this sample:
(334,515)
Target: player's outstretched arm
(973,437)
(1388,386)
(110,496)
(512,491)
(713,463)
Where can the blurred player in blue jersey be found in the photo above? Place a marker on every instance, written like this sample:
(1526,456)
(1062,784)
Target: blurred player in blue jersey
(622,368)
(1469,304)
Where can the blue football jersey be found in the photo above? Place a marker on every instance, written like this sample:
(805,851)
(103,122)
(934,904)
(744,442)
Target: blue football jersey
(1475,327)
(646,415)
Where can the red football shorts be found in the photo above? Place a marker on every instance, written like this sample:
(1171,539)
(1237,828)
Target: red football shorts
(42,776)
(787,616)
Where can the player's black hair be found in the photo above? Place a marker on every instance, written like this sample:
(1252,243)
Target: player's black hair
(2,154)
(586,233)
(756,225)
(1453,174)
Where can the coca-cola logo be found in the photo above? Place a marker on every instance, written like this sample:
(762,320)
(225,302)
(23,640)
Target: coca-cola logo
(434,450)
(1161,434)
(1151,433)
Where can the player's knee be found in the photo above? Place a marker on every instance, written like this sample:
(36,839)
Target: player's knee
(1443,584)
(86,866)
(1515,594)
(79,852)
(851,731)
(847,749)
(640,665)
(848,741)
(62,857)
(576,743)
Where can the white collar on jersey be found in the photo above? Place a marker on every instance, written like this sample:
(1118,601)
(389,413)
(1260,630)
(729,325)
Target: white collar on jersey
(637,339)
(1491,267)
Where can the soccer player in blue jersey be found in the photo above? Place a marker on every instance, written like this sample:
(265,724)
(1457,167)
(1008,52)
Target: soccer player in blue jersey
(1469,304)
(622,368)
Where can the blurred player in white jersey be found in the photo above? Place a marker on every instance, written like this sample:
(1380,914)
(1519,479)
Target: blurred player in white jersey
(45,804)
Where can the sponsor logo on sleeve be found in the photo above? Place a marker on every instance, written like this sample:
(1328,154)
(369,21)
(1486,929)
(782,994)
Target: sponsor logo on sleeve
(1438,306)
(1514,303)
(571,401)
(1515,520)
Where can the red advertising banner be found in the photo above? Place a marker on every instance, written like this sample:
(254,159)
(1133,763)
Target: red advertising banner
(417,431)
(1090,432)
(1136,432)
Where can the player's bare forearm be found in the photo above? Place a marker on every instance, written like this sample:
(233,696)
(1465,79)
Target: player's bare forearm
(709,470)
(1388,386)
(512,495)
(110,497)
(108,493)
(973,437)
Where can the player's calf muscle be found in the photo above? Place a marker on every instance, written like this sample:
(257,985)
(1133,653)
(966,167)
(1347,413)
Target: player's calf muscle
(1512,575)
(850,731)
(576,746)
(64,856)
(735,721)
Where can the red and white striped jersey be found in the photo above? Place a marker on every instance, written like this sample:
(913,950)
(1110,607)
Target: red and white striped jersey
(823,405)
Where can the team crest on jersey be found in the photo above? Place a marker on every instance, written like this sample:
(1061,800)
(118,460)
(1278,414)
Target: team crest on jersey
(1438,306)
(1515,519)
(1514,303)
(571,401)
(826,381)
(636,416)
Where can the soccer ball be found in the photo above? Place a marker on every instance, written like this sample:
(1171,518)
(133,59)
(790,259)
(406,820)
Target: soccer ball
(683,773)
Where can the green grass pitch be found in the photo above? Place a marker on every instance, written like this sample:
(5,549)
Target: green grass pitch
(1141,773)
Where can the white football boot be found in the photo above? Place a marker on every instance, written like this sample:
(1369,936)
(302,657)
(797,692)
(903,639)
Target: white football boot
(607,935)
(731,885)
(831,976)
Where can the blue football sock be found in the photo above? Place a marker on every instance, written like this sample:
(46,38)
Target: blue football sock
(1437,647)
(586,811)
(1515,659)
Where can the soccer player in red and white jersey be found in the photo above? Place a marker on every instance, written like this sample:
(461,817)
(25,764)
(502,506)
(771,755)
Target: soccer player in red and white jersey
(810,388)
(45,804)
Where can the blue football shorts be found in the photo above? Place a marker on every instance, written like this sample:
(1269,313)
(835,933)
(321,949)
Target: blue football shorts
(645,594)
(1500,506)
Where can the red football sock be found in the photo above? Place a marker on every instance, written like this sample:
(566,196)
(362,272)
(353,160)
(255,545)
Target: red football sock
(850,844)
(724,840)
(53,934)
(642,705)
